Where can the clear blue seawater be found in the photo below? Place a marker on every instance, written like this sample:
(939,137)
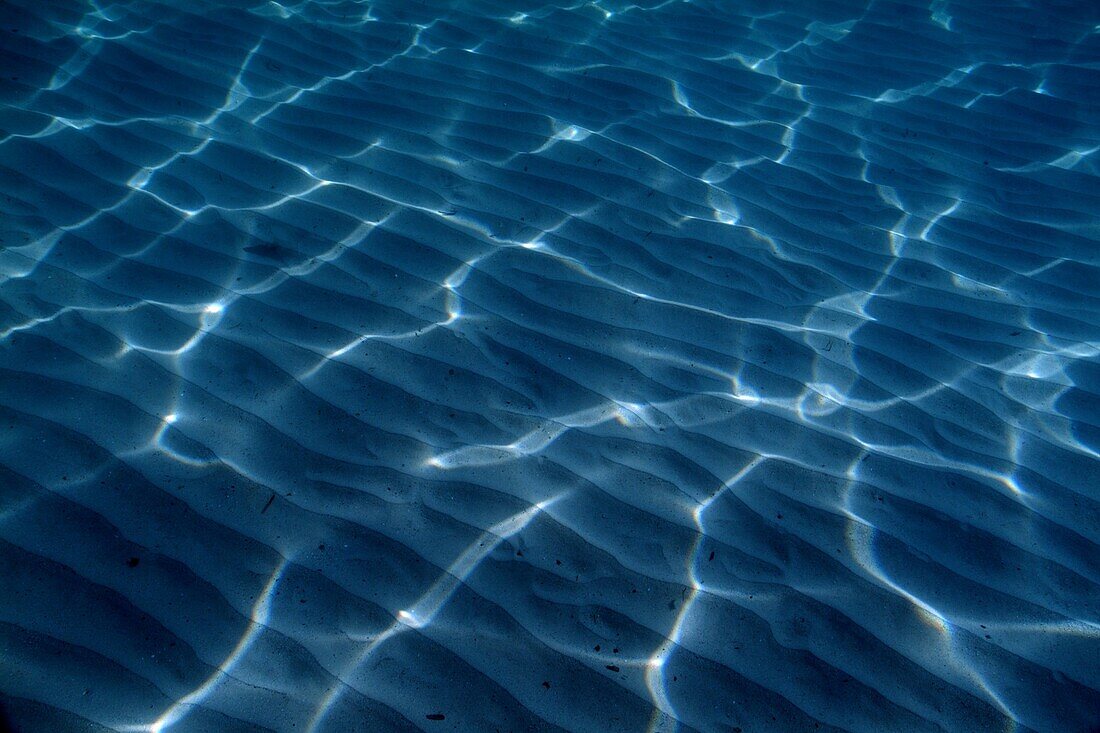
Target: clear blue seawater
(521,365)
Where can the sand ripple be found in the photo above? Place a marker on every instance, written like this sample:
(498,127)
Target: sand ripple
(670,366)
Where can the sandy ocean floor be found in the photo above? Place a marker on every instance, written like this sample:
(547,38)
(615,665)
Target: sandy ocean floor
(588,366)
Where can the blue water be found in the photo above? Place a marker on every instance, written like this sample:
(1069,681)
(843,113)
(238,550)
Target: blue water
(584,366)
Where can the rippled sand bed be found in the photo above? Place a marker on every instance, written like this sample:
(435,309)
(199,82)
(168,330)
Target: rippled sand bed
(504,366)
